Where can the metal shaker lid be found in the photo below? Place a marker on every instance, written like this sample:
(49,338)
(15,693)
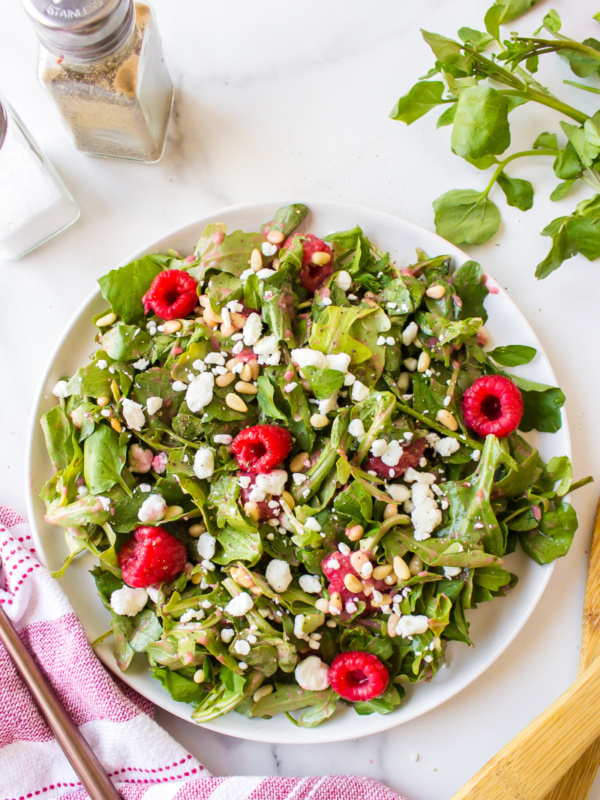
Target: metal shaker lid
(81,30)
(3,124)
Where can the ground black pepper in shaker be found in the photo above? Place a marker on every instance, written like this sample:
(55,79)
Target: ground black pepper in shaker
(101,62)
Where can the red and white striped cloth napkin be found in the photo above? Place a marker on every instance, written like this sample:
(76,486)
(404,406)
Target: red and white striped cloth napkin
(142,759)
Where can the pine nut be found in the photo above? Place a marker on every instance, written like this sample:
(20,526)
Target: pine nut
(367,588)
(106,320)
(236,403)
(232,363)
(287,498)
(172,511)
(297,463)
(390,580)
(403,382)
(335,601)
(392,625)
(225,380)
(358,559)
(196,578)
(116,425)
(322,604)
(436,292)
(264,691)
(424,361)
(246,373)
(415,565)
(199,676)
(242,577)
(391,510)
(103,401)
(379,573)
(256,261)
(321,258)
(401,568)
(254,368)
(275,237)
(352,583)
(237,319)
(211,318)
(354,532)
(246,388)
(172,325)
(386,600)
(251,508)
(319,421)
(447,419)
(197,529)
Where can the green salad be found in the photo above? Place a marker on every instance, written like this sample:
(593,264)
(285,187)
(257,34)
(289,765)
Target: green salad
(299,468)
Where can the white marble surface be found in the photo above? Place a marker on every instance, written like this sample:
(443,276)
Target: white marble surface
(275,100)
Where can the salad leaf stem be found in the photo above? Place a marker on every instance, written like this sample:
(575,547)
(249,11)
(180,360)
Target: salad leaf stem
(522,154)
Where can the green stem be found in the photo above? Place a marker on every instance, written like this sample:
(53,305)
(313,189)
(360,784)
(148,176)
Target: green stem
(547,100)
(563,43)
(500,168)
(583,86)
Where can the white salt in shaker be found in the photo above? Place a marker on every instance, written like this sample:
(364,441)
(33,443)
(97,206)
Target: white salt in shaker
(35,204)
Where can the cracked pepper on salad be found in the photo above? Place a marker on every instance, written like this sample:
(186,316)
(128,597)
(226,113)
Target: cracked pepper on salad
(298,468)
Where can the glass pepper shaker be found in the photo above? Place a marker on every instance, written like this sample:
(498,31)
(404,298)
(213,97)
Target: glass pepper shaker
(101,62)
(35,204)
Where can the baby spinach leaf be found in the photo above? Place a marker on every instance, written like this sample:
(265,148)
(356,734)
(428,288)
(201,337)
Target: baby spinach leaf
(469,285)
(553,538)
(58,433)
(104,459)
(124,288)
(180,686)
(542,405)
(323,382)
(465,215)
(513,355)
(126,342)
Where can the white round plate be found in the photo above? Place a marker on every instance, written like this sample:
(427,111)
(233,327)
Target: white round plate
(493,625)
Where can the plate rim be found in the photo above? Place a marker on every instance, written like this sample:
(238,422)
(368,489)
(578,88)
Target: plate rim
(319,734)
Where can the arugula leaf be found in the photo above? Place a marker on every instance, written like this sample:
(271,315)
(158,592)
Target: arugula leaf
(465,215)
(266,400)
(124,288)
(423,96)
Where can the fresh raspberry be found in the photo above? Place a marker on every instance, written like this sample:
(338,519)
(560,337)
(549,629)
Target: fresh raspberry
(493,404)
(358,676)
(262,447)
(152,556)
(412,453)
(335,567)
(265,512)
(172,294)
(312,275)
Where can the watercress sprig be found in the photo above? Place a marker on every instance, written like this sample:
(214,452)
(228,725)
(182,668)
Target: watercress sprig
(483,80)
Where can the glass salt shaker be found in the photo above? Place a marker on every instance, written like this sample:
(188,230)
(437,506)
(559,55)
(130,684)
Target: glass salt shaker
(35,204)
(102,64)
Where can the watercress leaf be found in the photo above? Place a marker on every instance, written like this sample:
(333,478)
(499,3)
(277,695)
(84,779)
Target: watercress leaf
(124,288)
(449,54)
(469,285)
(323,382)
(513,355)
(561,190)
(482,163)
(58,433)
(582,64)
(552,21)
(562,248)
(546,141)
(504,11)
(567,164)
(447,116)
(481,123)
(519,192)
(553,538)
(465,215)
(476,38)
(423,96)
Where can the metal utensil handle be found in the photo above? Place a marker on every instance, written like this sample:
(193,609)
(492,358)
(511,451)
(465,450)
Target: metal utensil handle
(90,771)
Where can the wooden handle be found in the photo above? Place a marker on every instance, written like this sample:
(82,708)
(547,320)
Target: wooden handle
(577,781)
(77,750)
(530,765)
